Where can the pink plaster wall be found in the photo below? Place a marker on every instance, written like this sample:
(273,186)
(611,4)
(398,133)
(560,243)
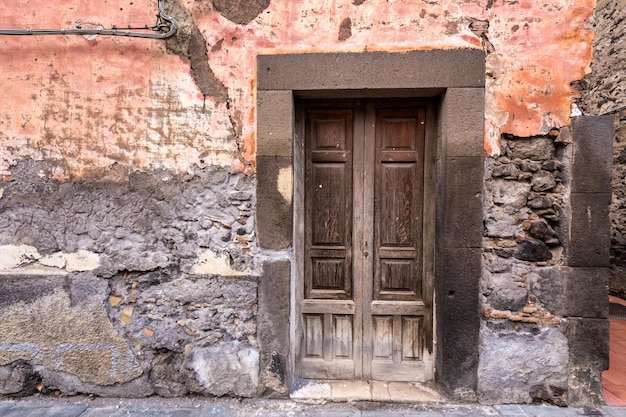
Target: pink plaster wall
(89,105)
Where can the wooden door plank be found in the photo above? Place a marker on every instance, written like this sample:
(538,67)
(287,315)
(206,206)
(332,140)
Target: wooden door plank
(367,243)
(428,271)
(397,339)
(328,306)
(297,327)
(328,197)
(401,372)
(358,155)
(398,265)
(327,297)
(404,308)
(328,337)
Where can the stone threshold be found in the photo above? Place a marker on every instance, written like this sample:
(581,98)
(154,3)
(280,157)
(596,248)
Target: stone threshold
(382,391)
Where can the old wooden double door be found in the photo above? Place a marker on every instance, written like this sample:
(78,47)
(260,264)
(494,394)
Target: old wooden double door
(365,304)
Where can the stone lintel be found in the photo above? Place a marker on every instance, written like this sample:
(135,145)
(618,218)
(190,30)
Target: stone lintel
(336,71)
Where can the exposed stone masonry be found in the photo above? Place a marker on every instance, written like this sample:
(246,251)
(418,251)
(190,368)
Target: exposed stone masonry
(524,215)
(161,298)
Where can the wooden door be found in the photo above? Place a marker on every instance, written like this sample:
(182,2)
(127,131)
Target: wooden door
(365,307)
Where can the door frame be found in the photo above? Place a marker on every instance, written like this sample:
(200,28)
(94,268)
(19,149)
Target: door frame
(457,78)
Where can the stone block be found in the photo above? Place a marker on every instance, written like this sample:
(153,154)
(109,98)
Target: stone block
(457,287)
(17,379)
(549,286)
(522,364)
(273,324)
(462,220)
(227,369)
(463,121)
(373,70)
(28,288)
(535,149)
(590,241)
(506,294)
(587,292)
(588,341)
(592,160)
(572,291)
(510,193)
(274,202)
(274,123)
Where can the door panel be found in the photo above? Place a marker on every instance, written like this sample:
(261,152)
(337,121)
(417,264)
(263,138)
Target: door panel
(328,192)
(329,329)
(366,309)
(397,234)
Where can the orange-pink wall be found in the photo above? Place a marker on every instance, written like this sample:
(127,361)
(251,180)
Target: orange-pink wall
(90,105)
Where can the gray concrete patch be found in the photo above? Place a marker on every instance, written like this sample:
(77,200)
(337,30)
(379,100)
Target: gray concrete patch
(615,411)
(5,405)
(510,409)
(219,410)
(381,414)
(146,411)
(28,409)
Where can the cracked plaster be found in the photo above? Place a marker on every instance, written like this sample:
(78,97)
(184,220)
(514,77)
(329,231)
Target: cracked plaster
(75,102)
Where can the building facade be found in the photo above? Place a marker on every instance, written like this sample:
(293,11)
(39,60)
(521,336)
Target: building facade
(285,191)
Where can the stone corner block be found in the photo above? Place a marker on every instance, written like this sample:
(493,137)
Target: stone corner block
(588,341)
(274,202)
(573,291)
(592,161)
(274,123)
(587,291)
(590,239)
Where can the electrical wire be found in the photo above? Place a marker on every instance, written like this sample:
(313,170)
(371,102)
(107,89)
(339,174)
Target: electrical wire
(165,27)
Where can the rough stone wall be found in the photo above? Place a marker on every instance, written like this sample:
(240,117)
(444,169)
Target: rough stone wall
(545,272)
(525,214)
(127,205)
(129,289)
(604,92)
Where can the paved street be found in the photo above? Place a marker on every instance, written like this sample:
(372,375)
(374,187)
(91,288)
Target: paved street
(158,407)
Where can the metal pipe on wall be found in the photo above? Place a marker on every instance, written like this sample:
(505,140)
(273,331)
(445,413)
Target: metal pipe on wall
(165,27)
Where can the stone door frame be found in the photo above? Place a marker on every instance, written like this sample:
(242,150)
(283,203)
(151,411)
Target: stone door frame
(457,79)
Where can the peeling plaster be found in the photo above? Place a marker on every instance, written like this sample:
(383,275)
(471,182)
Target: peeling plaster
(211,263)
(89,105)
(14,257)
